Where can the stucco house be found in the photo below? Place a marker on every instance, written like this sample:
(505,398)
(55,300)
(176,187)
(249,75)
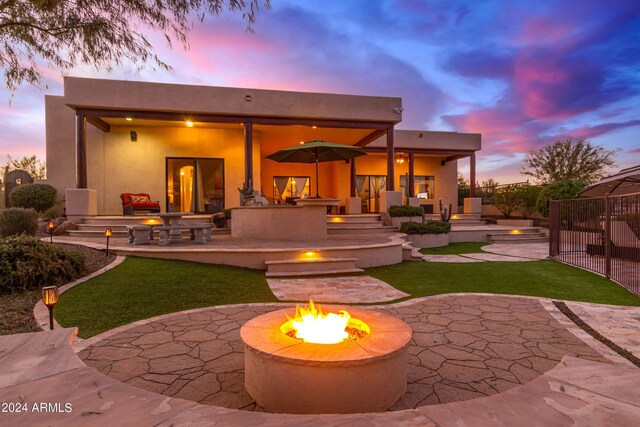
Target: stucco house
(193,147)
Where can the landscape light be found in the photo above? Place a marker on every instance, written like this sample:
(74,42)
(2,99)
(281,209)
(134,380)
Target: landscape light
(50,226)
(107,233)
(50,299)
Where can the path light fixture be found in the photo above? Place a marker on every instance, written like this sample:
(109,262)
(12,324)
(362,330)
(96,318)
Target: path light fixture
(50,299)
(50,226)
(107,233)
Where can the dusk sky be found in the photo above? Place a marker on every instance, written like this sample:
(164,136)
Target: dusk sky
(522,73)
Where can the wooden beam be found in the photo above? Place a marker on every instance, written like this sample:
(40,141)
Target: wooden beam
(390,160)
(371,137)
(352,178)
(221,118)
(440,151)
(99,123)
(81,151)
(472,175)
(411,176)
(248,154)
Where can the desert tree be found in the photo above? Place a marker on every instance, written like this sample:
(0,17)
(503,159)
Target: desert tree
(63,34)
(568,160)
(31,164)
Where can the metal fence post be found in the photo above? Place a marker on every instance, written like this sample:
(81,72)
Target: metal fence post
(607,236)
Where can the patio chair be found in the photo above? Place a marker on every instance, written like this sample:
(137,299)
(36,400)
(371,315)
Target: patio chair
(138,202)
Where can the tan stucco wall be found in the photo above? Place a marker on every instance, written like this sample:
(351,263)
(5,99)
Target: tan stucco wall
(433,140)
(116,165)
(61,144)
(99,93)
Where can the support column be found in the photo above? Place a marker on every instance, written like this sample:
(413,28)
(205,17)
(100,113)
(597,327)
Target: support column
(411,177)
(472,175)
(353,180)
(390,160)
(248,154)
(81,151)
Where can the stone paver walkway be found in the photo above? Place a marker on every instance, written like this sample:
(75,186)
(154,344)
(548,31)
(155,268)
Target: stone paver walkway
(464,347)
(620,324)
(499,252)
(347,290)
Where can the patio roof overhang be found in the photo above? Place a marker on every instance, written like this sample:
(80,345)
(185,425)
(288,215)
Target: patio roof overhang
(354,132)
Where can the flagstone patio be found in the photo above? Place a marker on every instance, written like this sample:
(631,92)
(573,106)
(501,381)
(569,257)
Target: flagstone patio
(464,347)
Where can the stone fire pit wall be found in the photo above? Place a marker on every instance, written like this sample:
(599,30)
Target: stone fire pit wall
(286,375)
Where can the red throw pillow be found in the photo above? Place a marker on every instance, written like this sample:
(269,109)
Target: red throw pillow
(136,199)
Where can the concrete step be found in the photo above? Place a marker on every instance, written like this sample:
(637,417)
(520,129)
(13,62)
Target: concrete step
(362,218)
(454,217)
(521,238)
(467,222)
(140,219)
(311,267)
(123,233)
(361,230)
(316,273)
(362,225)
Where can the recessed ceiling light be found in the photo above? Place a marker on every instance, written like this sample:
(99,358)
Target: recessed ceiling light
(189,123)
(128,118)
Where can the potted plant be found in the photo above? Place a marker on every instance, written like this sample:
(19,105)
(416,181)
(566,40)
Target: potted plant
(431,234)
(405,213)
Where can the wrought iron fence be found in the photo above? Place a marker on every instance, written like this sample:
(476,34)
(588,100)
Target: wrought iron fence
(599,234)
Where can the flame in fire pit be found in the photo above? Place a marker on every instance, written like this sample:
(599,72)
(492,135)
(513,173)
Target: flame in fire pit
(312,325)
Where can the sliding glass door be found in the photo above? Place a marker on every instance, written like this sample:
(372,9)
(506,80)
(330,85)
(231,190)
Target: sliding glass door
(368,188)
(195,185)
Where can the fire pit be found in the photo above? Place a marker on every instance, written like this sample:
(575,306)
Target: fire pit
(363,369)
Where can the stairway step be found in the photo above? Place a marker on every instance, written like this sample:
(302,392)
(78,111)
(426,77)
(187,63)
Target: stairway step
(360,230)
(363,225)
(353,218)
(313,264)
(532,239)
(314,273)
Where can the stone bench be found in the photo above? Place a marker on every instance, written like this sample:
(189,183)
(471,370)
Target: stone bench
(200,233)
(139,234)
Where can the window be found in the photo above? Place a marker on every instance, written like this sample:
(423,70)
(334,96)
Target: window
(287,188)
(423,186)
(195,185)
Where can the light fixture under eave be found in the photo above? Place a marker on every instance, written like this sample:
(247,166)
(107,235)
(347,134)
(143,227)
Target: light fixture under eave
(128,119)
(189,123)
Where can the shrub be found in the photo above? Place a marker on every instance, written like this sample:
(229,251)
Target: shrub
(429,227)
(37,196)
(15,221)
(506,199)
(527,196)
(561,190)
(28,263)
(406,210)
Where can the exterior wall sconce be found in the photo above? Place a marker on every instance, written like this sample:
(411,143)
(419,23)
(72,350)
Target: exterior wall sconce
(50,226)
(134,136)
(107,233)
(50,299)
(247,98)
(398,110)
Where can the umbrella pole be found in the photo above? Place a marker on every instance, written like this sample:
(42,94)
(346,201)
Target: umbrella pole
(317,183)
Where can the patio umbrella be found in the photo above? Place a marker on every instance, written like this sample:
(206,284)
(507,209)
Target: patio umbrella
(626,181)
(316,151)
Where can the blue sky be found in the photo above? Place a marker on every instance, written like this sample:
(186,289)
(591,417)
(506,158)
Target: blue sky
(522,73)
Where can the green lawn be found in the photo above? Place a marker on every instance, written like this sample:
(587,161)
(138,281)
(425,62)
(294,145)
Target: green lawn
(140,288)
(455,248)
(543,278)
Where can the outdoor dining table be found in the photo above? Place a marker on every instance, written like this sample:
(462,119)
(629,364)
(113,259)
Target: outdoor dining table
(170,219)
